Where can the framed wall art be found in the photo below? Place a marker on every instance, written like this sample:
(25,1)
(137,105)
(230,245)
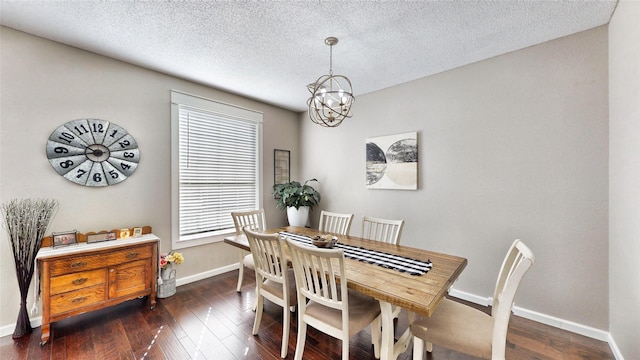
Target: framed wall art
(65,238)
(281,166)
(392,162)
(125,233)
(105,236)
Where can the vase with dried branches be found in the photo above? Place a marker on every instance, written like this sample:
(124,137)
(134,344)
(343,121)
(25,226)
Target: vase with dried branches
(26,222)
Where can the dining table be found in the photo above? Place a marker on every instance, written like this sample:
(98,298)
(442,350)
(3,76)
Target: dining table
(394,283)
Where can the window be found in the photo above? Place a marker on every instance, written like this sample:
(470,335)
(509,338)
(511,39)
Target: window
(216,167)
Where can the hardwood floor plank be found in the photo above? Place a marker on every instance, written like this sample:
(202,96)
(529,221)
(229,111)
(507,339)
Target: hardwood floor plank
(14,349)
(166,342)
(140,336)
(166,334)
(208,319)
(58,347)
(34,350)
(78,335)
(197,332)
(110,341)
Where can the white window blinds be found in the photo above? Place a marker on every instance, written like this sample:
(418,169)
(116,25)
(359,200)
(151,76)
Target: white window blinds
(219,169)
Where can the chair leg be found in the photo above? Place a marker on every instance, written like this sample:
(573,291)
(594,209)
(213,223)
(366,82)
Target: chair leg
(418,348)
(286,318)
(258,318)
(240,271)
(345,349)
(255,303)
(302,336)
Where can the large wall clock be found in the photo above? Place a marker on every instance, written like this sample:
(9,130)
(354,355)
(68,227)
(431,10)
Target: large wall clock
(93,152)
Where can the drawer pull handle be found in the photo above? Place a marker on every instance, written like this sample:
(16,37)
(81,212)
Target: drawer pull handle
(78,264)
(132,255)
(79,281)
(79,300)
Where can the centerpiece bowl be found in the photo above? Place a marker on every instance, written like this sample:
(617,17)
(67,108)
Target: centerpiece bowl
(324,241)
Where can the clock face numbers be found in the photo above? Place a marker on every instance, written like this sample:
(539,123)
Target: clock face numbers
(93,152)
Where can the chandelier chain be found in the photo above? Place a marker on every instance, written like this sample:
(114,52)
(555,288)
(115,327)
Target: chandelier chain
(330,59)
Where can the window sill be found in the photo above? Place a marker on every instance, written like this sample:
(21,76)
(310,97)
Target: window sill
(197,240)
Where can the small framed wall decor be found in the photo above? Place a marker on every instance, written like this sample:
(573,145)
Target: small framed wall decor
(124,233)
(107,236)
(281,168)
(137,231)
(65,238)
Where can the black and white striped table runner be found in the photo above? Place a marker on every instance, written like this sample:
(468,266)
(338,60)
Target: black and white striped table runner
(389,261)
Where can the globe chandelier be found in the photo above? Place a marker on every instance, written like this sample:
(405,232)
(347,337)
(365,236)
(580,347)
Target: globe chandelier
(331,95)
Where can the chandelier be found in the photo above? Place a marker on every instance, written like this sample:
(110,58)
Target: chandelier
(331,95)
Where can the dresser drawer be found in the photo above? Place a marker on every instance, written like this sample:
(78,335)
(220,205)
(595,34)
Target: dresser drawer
(77,264)
(131,254)
(74,300)
(76,281)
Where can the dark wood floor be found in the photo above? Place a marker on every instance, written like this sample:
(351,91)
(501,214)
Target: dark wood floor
(209,320)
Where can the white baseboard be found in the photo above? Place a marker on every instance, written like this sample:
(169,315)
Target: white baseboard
(484,301)
(205,275)
(614,348)
(562,324)
(547,320)
(8,329)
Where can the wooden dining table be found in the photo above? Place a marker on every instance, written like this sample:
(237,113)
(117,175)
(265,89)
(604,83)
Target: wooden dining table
(420,294)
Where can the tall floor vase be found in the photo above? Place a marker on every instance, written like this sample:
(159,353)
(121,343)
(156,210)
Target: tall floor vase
(26,222)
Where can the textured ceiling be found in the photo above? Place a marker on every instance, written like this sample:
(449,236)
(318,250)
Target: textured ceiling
(271,50)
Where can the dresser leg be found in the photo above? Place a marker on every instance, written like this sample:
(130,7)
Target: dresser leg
(46,333)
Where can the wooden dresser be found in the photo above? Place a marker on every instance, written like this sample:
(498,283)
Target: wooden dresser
(86,277)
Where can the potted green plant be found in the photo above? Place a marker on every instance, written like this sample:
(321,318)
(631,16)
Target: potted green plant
(298,199)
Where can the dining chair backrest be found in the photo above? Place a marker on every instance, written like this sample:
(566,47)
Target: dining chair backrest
(268,253)
(516,263)
(255,219)
(317,275)
(335,222)
(385,230)
(274,280)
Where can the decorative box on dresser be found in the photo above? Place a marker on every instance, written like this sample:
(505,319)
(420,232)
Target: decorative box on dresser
(87,277)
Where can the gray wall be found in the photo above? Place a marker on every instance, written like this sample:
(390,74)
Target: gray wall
(624,178)
(44,85)
(512,147)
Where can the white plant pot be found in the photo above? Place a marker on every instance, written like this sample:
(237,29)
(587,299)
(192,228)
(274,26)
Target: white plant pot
(298,217)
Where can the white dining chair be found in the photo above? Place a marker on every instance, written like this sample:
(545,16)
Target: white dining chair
(274,280)
(471,331)
(335,222)
(255,219)
(385,230)
(325,302)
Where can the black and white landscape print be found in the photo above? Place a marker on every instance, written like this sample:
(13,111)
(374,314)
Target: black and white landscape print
(392,162)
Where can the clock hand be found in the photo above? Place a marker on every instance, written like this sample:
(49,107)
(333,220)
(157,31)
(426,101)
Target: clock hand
(94,152)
